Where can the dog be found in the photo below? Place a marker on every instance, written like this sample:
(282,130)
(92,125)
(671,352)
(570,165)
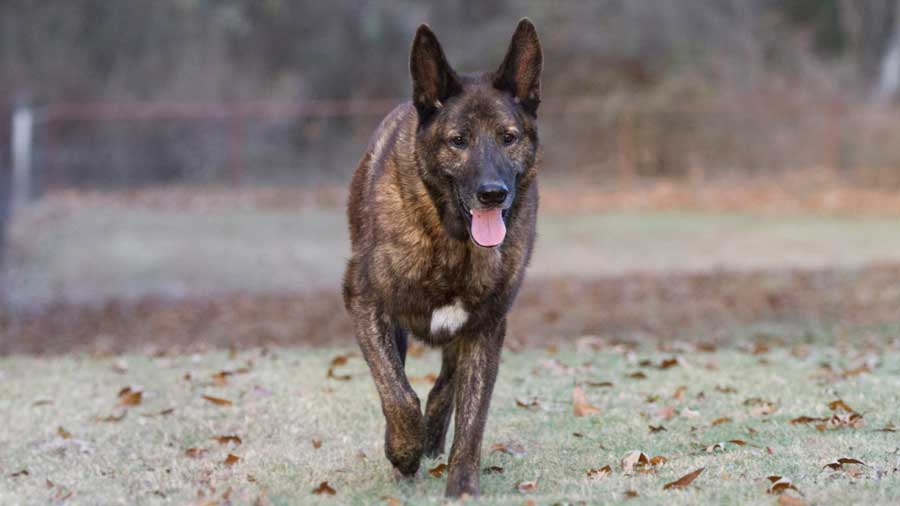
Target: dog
(442,213)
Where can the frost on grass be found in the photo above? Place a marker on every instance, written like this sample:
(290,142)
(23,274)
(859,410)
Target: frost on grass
(693,425)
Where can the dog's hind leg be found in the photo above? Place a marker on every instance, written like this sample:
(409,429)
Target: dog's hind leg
(404,440)
(440,404)
(478,359)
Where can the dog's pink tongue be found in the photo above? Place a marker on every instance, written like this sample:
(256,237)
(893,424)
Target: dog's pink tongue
(488,228)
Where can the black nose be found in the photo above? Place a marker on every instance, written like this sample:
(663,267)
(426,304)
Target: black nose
(492,194)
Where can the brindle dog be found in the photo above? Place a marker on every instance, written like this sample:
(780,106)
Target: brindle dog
(442,214)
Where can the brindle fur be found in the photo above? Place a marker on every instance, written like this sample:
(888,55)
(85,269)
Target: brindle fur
(412,253)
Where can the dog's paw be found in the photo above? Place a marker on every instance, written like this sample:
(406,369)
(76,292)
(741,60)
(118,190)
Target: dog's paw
(404,448)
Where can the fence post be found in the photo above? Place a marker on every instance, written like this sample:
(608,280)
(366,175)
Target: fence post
(21,142)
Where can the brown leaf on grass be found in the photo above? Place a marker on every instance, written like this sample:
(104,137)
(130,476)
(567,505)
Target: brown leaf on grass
(526,487)
(739,442)
(23,472)
(41,402)
(231,459)
(636,461)
(684,481)
(218,400)
(658,460)
(599,473)
(840,405)
(580,405)
(667,363)
(492,470)
(227,439)
(438,470)
(324,489)
(532,404)
(889,427)
(789,500)
(780,484)
(841,462)
(666,412)
(392,501)
(679,392)
(655,429)
(111,418)
(339,360)
(63,433)
(630,494)
(165,412)
(130,397)
(720,421)
(195,453)
(509,448)
(806,419)
(316,443)
(726,390)
(637,375)
(220,379)
(600,384)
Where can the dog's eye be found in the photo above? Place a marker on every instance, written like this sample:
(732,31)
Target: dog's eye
(458,141)
(509,138)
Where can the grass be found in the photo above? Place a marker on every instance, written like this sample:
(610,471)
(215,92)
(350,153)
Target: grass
(95,253)
(283,401)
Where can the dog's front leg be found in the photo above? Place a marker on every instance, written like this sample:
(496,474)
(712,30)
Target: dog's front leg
(404,440)
(478,359)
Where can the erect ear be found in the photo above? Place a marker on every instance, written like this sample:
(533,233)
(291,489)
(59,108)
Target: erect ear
(520,72)
(433,79)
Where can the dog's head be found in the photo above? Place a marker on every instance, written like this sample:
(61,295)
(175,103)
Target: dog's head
(476,142)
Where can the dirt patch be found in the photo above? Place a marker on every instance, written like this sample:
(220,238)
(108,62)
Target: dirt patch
(658,306)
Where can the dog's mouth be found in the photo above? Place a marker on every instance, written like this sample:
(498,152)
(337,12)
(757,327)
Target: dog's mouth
(487,227)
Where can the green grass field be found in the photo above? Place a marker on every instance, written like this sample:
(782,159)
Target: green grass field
(298,428)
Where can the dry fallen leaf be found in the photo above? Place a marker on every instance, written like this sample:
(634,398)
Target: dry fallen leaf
(630,494)
(130,397)
(227,439)
(526,487)
(840,405)
(720,421)
(789,500)
(165,412)
(195,452)
(23,472)
(889,427)
(492,470)
(231,459)
(580,405)
(726,389)
(684,481)
(317,443)
(111,418)
(637,375)
(438,470)
(638,461)
(841,462)
(667,363)
(655,429)
(63,433)
(217,400)
(324,489)
(679,392)
(532,404)
(779,484)
(600,384)
(602,472)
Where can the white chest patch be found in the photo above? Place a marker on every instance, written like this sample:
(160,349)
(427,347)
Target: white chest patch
(449,318)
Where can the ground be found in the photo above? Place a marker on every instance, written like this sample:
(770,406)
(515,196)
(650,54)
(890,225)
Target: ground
(299,426)
(696,333)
